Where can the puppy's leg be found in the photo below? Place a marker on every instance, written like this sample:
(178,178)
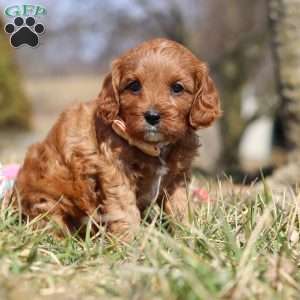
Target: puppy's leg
(118,206)
(175,201)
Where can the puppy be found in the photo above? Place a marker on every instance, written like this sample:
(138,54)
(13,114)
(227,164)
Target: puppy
(133,145)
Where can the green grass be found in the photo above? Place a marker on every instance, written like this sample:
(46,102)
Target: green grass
(237,247)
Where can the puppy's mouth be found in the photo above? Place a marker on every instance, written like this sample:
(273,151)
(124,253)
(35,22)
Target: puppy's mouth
(153,135)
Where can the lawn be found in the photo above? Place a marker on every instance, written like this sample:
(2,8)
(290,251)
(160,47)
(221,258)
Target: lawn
(237,246)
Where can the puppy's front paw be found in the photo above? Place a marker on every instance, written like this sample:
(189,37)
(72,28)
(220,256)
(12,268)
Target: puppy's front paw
(123,231)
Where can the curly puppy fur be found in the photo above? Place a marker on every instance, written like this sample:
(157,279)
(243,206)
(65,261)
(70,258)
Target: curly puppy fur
(84,169)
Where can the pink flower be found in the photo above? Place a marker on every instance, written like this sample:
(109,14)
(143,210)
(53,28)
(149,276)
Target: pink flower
(202,195)
(10,171)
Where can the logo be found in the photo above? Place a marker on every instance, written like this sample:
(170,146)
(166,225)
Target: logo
(24,29)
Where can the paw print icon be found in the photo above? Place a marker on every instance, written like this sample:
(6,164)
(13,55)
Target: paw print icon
(24,32)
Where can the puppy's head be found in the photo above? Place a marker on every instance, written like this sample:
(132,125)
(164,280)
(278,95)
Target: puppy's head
(159,89)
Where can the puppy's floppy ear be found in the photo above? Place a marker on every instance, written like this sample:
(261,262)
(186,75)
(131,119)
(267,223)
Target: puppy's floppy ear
(206,106)
(108,99)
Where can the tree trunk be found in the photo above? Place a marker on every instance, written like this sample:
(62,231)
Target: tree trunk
(284,18)
(14,107)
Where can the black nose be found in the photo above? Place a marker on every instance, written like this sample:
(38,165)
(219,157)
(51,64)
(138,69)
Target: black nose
(152,117)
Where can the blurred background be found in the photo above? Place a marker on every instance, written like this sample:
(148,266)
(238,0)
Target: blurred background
(81,39)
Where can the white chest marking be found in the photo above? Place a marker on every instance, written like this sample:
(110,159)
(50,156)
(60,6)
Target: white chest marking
(152,195)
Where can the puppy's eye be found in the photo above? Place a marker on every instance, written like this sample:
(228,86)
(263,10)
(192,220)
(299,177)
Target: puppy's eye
(134,86)
(177,88)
